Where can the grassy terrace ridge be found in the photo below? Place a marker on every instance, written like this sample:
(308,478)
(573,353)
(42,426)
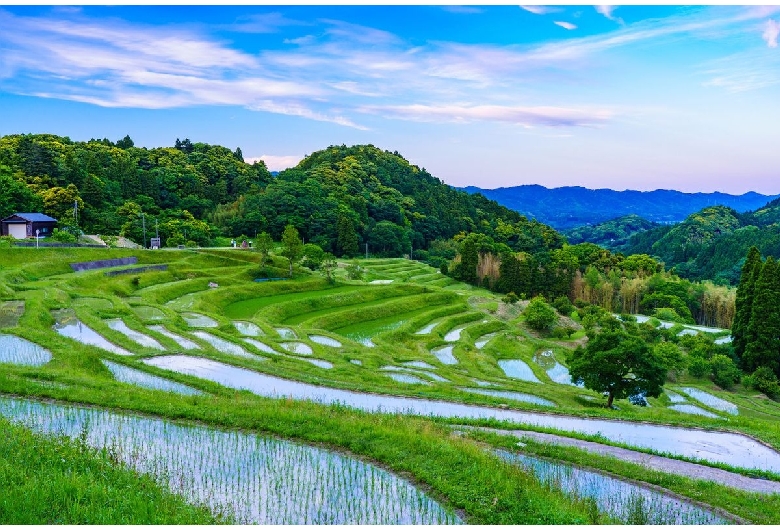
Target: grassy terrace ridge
(455,470)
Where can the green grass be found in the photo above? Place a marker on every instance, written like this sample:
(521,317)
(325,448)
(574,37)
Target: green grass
(457,472)
(46,480)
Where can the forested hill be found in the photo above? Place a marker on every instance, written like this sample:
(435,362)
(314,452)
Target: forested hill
(613,234)
(712,243)
(572,206)
(340,198)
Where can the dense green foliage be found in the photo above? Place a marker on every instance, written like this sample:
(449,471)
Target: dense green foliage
(613,234)
(340,198)
(619,364)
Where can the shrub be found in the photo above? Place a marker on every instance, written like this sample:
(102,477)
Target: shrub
(724,372)
(61,236)
(539,315)
(510,298)
(354,272)
(698,367)
(764,380)
(563,305)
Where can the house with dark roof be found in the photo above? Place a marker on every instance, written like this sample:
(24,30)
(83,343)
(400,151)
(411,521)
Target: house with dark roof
(23,225)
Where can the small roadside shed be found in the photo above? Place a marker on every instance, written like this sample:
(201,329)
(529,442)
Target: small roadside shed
(23,225)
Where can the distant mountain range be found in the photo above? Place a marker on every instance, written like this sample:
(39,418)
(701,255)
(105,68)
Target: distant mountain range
(572,206)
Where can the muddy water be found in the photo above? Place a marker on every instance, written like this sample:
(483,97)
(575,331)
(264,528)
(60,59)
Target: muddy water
(727,448)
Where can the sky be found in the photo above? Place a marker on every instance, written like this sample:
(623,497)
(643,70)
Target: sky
(621,97)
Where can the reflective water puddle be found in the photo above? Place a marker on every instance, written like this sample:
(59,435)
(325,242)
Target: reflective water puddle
(185,343)
(297,347)
(454,335)
(484,340)
(419,364)
(148,313)
(261,346)
(517,396)
(196,320)
(625,501)
(415,373)
(710,400)
(256,479)
(224,346)
(518,369)
(555,370)
(715,446)
(69,326)
(135,336)
(286,333)
(692,409)
(19,351)
(10,313)
(444,354)
(248,328)
(325,341)
(125,374)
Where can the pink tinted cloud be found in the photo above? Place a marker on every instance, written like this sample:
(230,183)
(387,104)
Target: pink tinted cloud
(771,32)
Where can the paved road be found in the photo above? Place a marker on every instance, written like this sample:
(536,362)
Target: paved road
(659,463)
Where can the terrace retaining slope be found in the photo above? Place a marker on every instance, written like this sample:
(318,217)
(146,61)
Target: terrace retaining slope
(103,263)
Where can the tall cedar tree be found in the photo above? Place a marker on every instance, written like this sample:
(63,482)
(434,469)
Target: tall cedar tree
(618,364)
(744,300)
(763,338)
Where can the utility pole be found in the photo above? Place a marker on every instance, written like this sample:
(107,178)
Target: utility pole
(366,250)
(156,231)
(143,224)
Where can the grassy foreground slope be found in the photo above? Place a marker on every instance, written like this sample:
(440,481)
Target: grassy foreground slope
(456,470)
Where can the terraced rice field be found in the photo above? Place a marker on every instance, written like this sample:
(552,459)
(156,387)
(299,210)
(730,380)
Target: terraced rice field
(421,347)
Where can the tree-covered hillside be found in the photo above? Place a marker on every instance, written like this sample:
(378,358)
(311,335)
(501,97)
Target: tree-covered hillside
(613,234)
(712,243)
(340,198)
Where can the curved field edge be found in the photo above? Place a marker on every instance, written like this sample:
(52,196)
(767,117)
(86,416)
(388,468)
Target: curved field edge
(456,472)
(52,480)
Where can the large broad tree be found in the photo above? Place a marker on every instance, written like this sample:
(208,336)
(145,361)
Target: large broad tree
(15,196)
(744,300)
(292,246)
(618,364)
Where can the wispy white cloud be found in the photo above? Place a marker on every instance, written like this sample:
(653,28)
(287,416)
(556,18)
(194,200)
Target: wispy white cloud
(607,12)
(565,25)
(771,32)
(263,23)
(518,115)
(276,162)
(540,10)
(741,72)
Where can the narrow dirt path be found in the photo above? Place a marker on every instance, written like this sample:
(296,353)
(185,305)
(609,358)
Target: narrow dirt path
(659,463)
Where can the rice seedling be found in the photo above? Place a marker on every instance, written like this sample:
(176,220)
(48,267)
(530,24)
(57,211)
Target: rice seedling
(710,400)
(253,479)
(16,350)
(125,374)
(624,501)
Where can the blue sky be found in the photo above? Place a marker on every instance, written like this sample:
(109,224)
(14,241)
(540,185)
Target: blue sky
(623,97)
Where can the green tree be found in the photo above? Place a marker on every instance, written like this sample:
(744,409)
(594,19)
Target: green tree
(313,256)
(347,238)
(15,196)
(292,246)
(329,264)
(671,356)
(744,300)
(762,346)
(618,364)
(264,246)
(724,372)
(540,315)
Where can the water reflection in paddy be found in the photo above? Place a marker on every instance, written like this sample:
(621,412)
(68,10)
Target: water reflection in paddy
(135,336)
(325,341)
(728,448)
(710,400)
(444,354)
(225,346)
(248,328)
(185,343)
(197,320)
(517,369)
(297,347)
(125,374)
(69,326)
(627,502)
(692,409)
(257,479)
(517,396)
(16,350)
